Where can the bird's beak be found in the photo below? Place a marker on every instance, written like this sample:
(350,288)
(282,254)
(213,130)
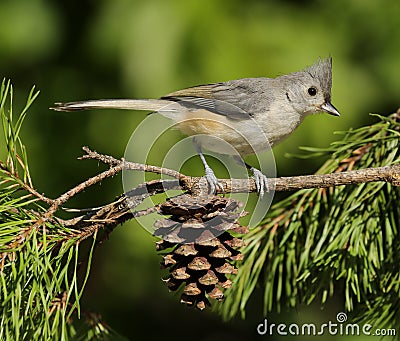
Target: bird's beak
(330,109)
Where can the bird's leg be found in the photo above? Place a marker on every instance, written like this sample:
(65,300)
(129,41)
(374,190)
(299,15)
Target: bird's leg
(212,180)
(260,179)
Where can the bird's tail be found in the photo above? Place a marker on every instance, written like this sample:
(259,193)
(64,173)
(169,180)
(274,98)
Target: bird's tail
(129,104)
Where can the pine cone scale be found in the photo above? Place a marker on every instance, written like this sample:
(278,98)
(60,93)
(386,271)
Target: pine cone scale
(198,248)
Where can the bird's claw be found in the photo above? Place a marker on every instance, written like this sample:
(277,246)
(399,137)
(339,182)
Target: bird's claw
(212,181)
(261,181)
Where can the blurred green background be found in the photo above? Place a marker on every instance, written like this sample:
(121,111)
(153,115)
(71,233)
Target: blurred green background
(90,49)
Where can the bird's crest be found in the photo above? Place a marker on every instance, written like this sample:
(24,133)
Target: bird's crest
(322,70)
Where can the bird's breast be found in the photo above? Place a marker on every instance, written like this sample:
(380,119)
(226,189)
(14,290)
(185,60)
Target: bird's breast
(278,122)
(223,135)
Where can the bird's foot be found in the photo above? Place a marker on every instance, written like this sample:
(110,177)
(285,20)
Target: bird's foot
(213,183)
(261,181)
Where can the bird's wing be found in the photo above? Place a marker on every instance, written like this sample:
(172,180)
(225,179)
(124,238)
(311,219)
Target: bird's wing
(229,98)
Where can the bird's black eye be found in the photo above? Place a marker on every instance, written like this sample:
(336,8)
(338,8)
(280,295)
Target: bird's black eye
(312,91)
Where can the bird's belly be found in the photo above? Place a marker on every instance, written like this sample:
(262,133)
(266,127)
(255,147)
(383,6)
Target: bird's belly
(219,134)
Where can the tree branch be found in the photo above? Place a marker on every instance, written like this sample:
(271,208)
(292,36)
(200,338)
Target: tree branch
(121,209)
(389,174)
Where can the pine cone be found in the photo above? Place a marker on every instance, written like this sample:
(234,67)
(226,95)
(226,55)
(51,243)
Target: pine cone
(197,248)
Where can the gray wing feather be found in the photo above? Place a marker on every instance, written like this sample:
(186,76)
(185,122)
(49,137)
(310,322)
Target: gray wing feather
(235,99)
(214,105)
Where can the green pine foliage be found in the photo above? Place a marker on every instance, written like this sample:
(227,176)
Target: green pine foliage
(342,242)
(43,266)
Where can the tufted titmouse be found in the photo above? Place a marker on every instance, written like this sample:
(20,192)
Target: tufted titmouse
(250,114)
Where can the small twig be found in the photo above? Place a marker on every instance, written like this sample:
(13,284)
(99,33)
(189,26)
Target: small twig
(73,191)
(82,186)
(26,186)
(121,209)
(90,154)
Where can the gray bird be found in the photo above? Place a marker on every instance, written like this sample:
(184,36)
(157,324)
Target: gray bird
(250,114)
